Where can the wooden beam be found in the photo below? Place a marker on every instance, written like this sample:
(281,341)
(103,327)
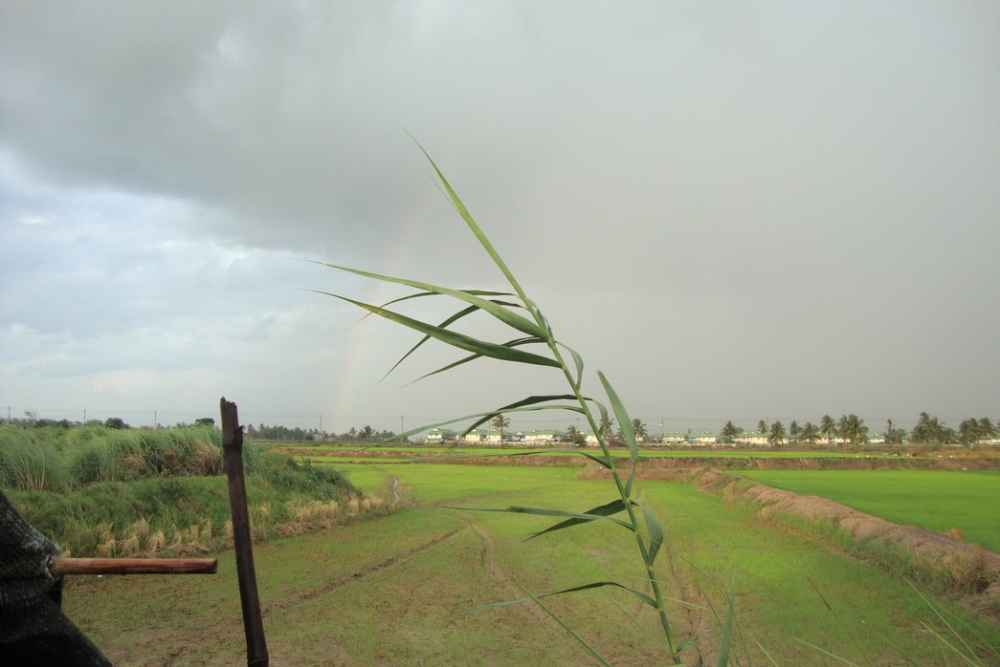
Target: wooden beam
(133,566)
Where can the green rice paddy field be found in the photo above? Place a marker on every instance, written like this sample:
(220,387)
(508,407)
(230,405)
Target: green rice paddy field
(393,591)
(936,500)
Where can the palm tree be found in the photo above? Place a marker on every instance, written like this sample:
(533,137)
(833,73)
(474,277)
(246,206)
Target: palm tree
(762,426)
(968,431)
(810,433)
(639,429)
(500,423)
(852,429)
(730,432)
(777,435)
(366,433)
(607,429)
(576,436)
(828,428)
(893,435)
(987,431)
(929,430)
(794,430)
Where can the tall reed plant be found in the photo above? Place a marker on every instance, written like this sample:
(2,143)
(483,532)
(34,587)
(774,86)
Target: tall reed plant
(531,341)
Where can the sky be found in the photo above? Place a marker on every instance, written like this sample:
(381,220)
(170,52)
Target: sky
(735,210)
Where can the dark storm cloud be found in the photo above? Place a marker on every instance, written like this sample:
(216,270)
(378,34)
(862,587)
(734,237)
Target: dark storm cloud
(782,206)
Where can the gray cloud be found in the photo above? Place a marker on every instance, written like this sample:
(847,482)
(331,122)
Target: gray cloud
(740,211)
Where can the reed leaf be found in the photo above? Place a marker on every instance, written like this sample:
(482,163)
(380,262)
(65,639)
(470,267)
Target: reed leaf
(542,511)
(524,402)
(655,530)
(529,340)
(621,414)
(725,639)
(506,316)
(639,595)
(614,507)
(452,338)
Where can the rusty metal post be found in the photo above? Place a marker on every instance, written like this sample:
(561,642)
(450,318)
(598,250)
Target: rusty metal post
(232,447)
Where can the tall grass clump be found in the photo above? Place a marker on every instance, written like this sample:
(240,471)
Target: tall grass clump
(29,460)
(531,341)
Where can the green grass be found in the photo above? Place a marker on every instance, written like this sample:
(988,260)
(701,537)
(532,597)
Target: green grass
(410,612)
(565,448)
(935,500)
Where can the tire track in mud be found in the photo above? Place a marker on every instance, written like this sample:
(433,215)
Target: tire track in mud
(357,574)
(197,638)
(507,582)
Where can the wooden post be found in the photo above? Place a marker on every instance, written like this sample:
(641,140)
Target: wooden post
(232,447)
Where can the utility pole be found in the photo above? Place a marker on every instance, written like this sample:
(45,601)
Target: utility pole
(84,415)
(321,423)
(154,420)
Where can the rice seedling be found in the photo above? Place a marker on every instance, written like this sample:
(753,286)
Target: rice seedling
(533,343)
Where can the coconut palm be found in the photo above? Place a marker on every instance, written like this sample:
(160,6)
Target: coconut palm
(639,428)
(852,429)
(730,432)
(893,435)
(500,423)
(987,431)
(794,430)
(828,428)
(809,434)
(576,436)
(762,426)
(607,428)
(777,434)
(931,431)
(366,433)
(968,431)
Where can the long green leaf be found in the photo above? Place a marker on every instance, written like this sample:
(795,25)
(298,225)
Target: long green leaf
(452,338)
(541,511)
(586,587)
(443,325)
(655,532)
(583,642)
(624,421)
(529,340)
(456,201)
(506,316)
(725,639)
(451,320)
(531,400)
(614,507)
(577,361)
(825,652)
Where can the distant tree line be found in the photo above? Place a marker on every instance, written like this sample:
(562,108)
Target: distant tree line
(851,430)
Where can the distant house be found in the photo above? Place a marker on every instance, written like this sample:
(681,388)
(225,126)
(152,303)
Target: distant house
(703,438)
(542,437)
(674,438)
(476,436)
(438,435)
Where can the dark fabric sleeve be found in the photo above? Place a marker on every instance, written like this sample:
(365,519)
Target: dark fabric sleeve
(33,630)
